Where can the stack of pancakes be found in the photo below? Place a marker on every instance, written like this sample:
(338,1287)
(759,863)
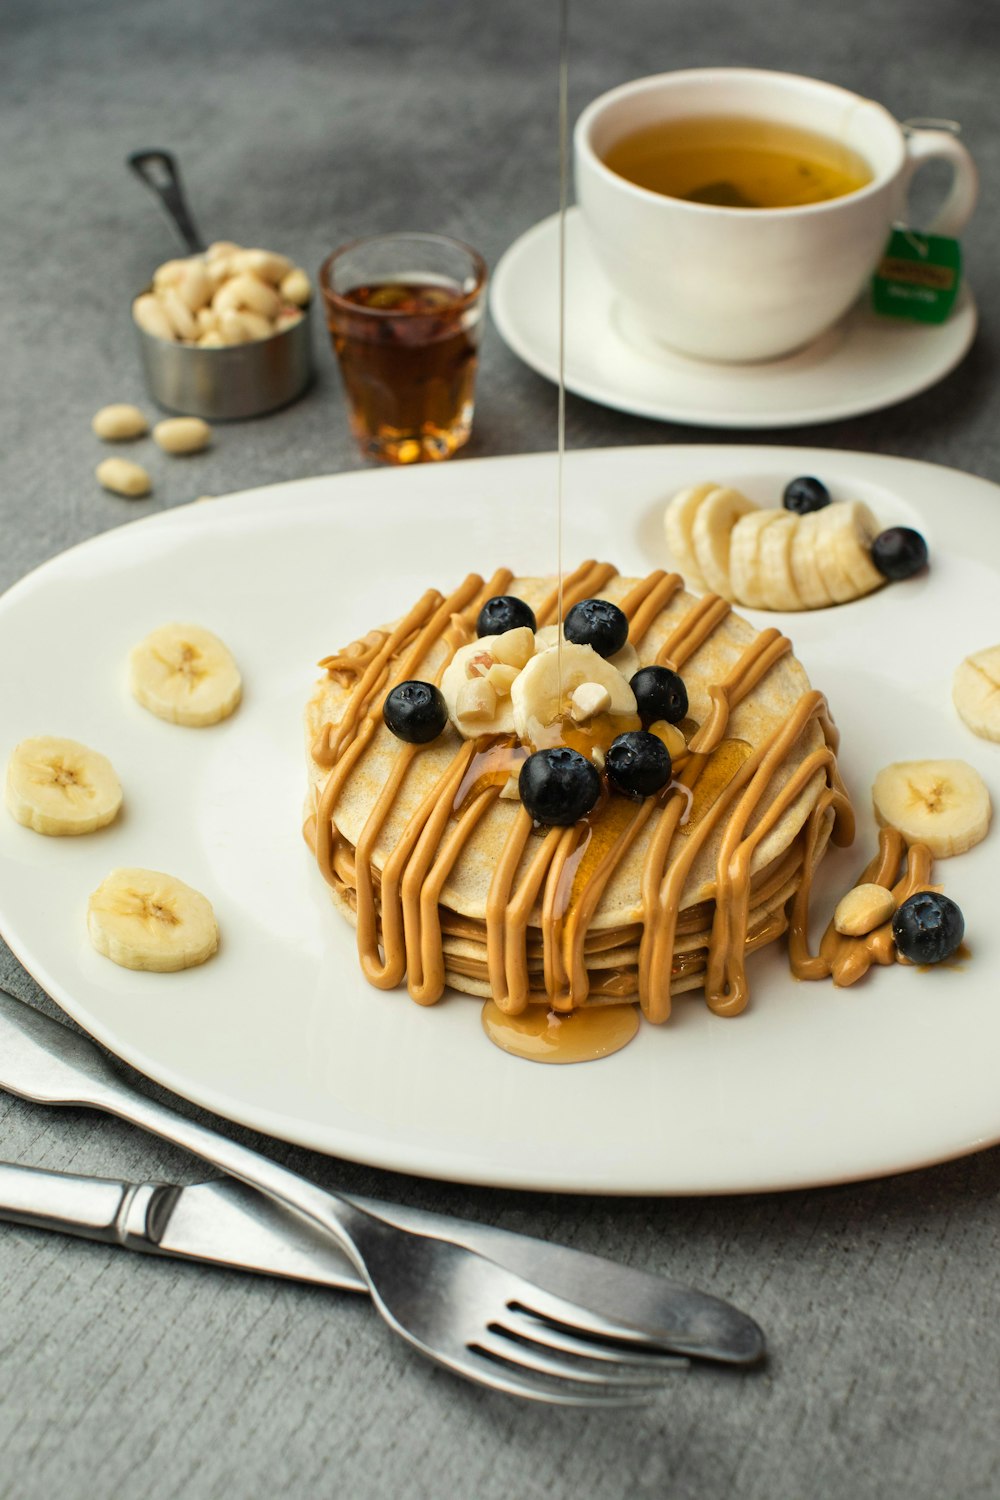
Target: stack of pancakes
(613,933)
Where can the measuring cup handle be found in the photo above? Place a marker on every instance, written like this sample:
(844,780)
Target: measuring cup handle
(941,145)
(161,174)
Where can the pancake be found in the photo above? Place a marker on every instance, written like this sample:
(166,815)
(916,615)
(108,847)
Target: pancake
(642,900)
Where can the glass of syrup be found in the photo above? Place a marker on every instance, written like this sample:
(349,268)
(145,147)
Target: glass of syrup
(405,314)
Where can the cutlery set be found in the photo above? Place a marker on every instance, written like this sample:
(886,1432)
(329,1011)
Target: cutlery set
(505,1310)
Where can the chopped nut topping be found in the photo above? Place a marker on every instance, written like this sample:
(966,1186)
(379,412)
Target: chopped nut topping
(501,677)
(479,665)
(516,647)
(588,699)
(476,700)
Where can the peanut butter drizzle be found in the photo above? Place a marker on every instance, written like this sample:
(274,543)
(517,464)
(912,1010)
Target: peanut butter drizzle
(647,599)
(570,868)
(848,959)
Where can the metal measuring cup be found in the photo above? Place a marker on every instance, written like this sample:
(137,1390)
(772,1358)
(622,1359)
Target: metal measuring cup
(221,384)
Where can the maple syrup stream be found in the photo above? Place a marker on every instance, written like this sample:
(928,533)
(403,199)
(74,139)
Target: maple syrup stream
(540,1034)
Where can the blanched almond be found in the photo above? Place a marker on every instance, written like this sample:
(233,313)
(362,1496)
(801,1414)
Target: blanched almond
(195,287)
(169,274)
(515,647)
(116,424)
(123,477)
(182,435)
(296,287)
(476,700)
(863,909)
(266,264)
(148,313)
(179,315)
(501,676)
(588,699)
(246,291)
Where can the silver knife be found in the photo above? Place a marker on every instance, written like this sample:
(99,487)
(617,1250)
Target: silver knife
(224,1223)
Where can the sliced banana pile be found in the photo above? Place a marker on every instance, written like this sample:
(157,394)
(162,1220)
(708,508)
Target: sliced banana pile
(143,919)
(941,803)
(516,683)
(185,674)
(976,692)
(60,787)
(772,558)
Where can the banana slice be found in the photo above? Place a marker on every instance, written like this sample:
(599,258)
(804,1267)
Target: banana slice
(844,534)
(469,667)
(626,661)
(61,787)
(142,919)
(806,576)
(678,521)
(941,803)
(744,556)
(542,693)
(774,563)
(184,673)
(714,520)
(976,692)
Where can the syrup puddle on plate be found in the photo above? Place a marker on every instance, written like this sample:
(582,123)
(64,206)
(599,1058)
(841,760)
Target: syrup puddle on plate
(543,1035)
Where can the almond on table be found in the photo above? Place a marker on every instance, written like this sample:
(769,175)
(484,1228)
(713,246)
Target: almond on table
(182,435)
(807,553)
(119,423)
(122,477)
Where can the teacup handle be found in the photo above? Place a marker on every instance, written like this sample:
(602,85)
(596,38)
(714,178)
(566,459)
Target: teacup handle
(941,145)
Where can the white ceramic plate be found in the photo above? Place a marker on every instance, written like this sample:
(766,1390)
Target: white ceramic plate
(863,364)
(279,1031)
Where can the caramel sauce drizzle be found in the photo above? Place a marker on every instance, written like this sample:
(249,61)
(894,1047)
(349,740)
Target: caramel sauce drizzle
(719,781)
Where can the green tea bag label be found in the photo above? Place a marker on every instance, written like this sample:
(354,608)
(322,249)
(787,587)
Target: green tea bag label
(918,277)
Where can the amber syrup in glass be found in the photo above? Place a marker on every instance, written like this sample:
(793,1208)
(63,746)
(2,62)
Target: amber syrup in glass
(408,359)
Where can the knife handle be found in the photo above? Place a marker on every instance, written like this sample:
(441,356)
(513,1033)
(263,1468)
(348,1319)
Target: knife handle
(95,1208)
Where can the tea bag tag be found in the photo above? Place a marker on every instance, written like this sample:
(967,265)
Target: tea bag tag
(918,276)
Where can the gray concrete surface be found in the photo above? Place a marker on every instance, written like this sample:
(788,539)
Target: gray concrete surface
(300,127)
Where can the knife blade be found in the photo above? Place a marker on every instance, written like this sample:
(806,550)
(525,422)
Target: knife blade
(221,1222)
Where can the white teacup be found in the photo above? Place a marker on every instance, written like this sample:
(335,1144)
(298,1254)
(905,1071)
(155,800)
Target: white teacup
(750,284)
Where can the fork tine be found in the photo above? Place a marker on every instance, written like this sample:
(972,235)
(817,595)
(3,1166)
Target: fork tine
(498,1343)
(526,1326)
(573,1318)
(496,1370)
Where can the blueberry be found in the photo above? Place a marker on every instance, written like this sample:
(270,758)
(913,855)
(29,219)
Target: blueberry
(638,763)
(504,612)
(899,552)
(659,694)
(928,927)
(805,494)
(559,786)
(415,712)
(597,623)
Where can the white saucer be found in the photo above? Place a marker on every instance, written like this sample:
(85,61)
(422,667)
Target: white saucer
(863,364)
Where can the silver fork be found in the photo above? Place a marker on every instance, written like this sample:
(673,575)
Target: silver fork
(454,1305)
